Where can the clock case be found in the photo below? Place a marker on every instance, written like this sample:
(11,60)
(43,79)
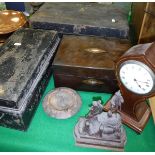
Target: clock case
(135,111)
(25,68)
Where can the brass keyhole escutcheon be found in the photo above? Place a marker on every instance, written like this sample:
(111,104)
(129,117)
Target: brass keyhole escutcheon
(93,82)
(95,50)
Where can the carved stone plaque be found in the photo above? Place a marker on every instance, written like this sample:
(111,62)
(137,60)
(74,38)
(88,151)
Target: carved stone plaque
(62,103)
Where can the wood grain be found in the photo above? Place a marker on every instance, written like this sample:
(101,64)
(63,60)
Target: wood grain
(143,22)
(152,106)
(147,33)
(137,9)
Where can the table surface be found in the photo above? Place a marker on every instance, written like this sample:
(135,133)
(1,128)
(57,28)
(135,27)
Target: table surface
(50,134)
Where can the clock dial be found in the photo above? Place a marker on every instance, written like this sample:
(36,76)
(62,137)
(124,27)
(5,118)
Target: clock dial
(136,77)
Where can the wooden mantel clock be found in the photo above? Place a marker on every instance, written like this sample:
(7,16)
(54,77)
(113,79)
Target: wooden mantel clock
(135,72)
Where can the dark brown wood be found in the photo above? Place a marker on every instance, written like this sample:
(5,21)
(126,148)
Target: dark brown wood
(85,83)
(147,33)
(135,112)
(88,63)
(136,21)
(143,21)
(137,125)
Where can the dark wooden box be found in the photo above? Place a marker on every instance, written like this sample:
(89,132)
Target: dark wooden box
(25,69)
(88,63)
(84,18)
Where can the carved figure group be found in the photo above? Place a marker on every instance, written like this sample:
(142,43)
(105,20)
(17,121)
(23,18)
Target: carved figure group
(102,128)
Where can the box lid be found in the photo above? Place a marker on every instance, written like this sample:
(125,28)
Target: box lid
(88,56)
(19,58)
(84,18)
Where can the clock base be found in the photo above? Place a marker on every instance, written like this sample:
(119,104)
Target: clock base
(138,126)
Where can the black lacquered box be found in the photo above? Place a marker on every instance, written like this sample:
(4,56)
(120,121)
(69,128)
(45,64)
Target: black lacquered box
(25,69)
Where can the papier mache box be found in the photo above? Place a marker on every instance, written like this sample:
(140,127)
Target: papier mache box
(25,69)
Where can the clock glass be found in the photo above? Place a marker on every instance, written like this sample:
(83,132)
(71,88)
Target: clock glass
(137,77)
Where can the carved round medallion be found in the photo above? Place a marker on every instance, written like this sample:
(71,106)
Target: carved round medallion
(62,103)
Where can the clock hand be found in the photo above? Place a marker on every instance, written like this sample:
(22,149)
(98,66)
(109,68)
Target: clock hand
(137,83)
(141,81)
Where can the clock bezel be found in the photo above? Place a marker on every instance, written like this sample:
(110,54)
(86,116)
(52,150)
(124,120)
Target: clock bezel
(152,74)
